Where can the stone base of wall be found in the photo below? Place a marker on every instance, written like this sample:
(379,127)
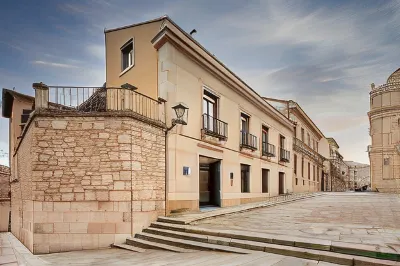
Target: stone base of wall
(192,205)
(5,208)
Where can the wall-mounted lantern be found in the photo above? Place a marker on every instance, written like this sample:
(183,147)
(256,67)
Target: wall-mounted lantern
(181,112)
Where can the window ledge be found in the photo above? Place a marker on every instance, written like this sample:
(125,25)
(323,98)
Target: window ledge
(126,70)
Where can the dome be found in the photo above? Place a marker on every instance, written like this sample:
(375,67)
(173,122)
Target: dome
(395,77)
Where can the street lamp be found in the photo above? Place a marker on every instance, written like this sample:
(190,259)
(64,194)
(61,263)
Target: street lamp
(181,112)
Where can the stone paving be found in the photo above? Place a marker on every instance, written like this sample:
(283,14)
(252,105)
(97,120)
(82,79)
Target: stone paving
(359,218)
(13,253)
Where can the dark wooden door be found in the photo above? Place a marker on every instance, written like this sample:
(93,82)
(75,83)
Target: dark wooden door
(281,183)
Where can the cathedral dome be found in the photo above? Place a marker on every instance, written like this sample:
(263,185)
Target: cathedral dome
(395,77)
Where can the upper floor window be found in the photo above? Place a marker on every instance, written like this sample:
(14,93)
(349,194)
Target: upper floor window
(282,141)
(264,135)
(210,104)
(302,134)
(308,139)
(244,122)
(316,143)
(127,55)
(295,131)
(295,164)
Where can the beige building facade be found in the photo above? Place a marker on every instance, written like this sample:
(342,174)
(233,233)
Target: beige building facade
(384,151)
(309,149)
(5,202)
(235,147)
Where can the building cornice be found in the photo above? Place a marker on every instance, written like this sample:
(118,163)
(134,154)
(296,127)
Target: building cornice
(220,71)
(384,111)
(389,87)
(306,119)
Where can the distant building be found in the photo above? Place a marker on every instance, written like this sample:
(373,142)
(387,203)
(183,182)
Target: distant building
(359,175)
(384,118)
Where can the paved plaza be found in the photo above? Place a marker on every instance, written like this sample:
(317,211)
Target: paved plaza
(13,253)
(361,218)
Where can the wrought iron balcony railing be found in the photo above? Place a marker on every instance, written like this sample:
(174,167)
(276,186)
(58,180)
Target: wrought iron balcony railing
(248,140)
(214,127)
(103,99)
(284,155)
(301,147)
(268,149)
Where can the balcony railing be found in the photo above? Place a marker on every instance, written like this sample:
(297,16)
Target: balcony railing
(248,140)
(102,99)
(214,127)
(284,155)
(268,149)
(301,147)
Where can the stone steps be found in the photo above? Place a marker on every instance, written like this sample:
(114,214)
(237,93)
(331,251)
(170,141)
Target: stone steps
(199,238)
(142,243)
(129,247)
(189,244)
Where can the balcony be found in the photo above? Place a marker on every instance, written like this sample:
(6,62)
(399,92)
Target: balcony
(303,148)
(97,99)
(214,127)
(248,141)
(284,155)
(268,149)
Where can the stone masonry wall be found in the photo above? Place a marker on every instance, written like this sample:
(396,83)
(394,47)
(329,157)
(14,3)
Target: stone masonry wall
(95,180)
(4,182)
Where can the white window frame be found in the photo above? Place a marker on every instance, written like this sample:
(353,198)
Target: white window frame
(131,58)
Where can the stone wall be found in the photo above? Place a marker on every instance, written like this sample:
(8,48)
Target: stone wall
(4,197)
(95,181)
(4,182)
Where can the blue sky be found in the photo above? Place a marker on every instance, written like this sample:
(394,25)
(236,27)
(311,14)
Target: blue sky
(322,54)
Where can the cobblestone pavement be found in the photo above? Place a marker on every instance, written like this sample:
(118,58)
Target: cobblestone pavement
(13,253)
(362,218)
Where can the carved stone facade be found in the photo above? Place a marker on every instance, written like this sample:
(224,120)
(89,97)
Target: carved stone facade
(85,182)
(384,117)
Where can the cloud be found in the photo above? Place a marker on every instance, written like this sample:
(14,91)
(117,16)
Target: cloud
(52,64)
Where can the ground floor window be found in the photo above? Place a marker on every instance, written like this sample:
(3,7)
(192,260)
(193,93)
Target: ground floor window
(265,177)
(296,181)
(245,178)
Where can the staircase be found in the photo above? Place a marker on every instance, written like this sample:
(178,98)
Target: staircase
(166,234)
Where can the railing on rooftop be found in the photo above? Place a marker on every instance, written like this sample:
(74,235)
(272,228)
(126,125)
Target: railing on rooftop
(97,99)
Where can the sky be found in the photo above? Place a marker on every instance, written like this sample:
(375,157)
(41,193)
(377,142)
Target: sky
(322,54)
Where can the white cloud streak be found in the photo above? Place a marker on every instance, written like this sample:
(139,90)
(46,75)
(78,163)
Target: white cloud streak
(52,64)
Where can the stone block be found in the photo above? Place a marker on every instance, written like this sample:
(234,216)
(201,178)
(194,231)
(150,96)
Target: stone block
(106,206)
(136,166)
(148,205)
(119,185)
(136,206)
(74,216)
(37,206)
(55,248)
(41,249)
(90,241)
(62,206)
(90,195)
(98,125)
(67,196)
(59,124)
(42,238)
(120,195)
(108,228)
(53,217)
(94,228)
(84,206)
(98,217)
(102,195)
(125,175)
(43,228)
(78,227)
(124,139)
(48,206)
(103,135)
(113,217)
(124,206)
(61,227)
(123,228)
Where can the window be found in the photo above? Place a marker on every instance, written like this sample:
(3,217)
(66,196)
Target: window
(313,172)
(309,171)
(303,182)
(317,173)
(295,131)
(302,166)
(210,110)
(386,161)
(245,178)
(127,55)
(295,164)
(264,135)
(308,140)
(244,122)
(302,134)
(316,145)
(210,104)
(265,177)
(296,181)
(282,141)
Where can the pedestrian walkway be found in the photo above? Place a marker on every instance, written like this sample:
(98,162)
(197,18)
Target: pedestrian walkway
(13,253)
